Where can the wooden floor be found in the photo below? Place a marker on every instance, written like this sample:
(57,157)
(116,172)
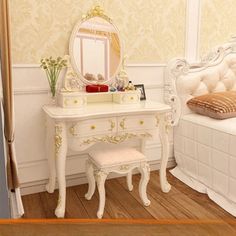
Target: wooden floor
(180,203)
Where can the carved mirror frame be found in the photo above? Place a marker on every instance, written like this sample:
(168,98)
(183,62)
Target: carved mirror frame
(74,80)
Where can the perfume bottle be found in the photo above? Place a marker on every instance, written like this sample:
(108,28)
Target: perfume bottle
(130,86)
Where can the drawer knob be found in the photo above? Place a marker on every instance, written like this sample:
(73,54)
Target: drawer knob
(141,122)
(93,127)
(113,125)
(122,124)
(75,101)
(131,98)
(72,130)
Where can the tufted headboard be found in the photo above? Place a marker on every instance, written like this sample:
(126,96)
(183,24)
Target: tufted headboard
(214,74)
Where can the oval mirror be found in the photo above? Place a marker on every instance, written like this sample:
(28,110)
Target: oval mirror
(95,50)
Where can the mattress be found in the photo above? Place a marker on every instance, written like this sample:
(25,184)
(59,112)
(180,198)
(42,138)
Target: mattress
(205,152)
(226,126)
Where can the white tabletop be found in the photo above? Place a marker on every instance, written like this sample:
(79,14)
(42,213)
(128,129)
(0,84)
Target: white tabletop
(95,110)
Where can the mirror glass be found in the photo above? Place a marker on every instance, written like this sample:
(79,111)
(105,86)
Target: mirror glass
(95,50)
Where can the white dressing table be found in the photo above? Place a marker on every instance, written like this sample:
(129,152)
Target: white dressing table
(78,129)
(83,119)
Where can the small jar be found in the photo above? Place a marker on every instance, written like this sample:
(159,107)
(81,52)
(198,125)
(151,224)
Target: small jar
(130,86)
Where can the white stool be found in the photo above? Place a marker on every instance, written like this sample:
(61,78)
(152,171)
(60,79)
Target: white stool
(118,160)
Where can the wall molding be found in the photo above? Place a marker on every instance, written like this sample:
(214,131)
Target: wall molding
(34,171)
(128,65)
(26,66)
(28,164)
(29,91)
(36,84)
(36,91)
(154,86)
(193,15)
(147,65)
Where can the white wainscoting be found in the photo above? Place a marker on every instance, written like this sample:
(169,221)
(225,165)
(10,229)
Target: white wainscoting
(31,93)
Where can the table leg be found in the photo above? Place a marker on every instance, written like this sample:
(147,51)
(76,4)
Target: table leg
(145,176)
(60,139)
(101,178)
(129,181)
(163,133)
(91,180)
(50,152)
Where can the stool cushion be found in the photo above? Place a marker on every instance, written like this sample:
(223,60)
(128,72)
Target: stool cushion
(116,156)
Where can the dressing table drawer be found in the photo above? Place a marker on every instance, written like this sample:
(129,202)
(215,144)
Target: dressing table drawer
(137,123)
(72,100)
(93,127)
(127,97)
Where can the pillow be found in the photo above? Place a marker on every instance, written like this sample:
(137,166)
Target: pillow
(219,105)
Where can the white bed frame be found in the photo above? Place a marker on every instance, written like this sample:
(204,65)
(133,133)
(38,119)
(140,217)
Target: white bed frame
(204,148)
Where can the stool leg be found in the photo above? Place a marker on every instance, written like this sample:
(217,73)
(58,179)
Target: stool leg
(91,180)
(145,175)
(129,181)
(101,178)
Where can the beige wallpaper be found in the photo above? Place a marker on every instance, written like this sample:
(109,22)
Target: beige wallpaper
(218,23)
(153,31)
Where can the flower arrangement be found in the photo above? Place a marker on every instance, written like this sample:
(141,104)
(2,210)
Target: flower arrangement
(53,68)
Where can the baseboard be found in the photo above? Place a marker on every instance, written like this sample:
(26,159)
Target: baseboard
(77,179)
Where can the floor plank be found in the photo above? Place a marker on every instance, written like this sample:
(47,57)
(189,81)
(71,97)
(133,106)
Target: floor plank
(90,206)
(49,202)
(180,203)
(155,209)
(200,198)
(114,208)
(133,207)
(33,206)
(74,206)
(164,199)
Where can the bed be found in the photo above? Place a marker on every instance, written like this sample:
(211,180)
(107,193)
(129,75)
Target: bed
(204,148)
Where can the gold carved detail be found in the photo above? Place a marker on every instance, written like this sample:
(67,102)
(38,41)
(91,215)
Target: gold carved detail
(168,128)
(72,79)
(58,138)
(165,120)
(122,124)
(115,139)
(96,11)
(99,175)
(113,125)
(66,102)
(92,127)
(59,202)
(72,130)
(157,121)
(145,135)
(168,121)
(124,167)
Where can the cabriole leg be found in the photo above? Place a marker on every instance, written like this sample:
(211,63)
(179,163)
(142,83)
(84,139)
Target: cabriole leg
(101,178)
(60,153)
(129,181)
(50,152)
(163,132)
(91,180)
(145,175)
